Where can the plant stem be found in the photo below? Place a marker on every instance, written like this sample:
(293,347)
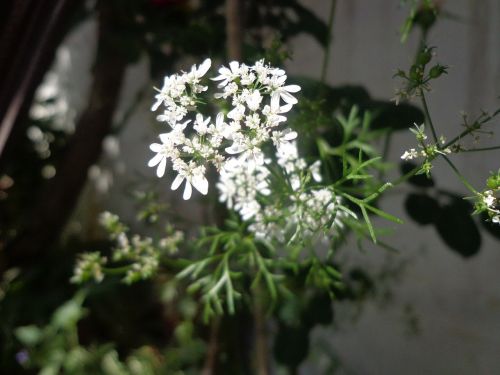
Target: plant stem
(326,57)
(407,176)
(475,126)
(482,149)
(213,348)
(428,116)
(469,129)
(460,176)
(260,331)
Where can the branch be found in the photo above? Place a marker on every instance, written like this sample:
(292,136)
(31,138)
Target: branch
(234,29)
(28,41)
(58,199)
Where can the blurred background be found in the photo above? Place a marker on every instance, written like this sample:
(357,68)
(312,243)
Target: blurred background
(75,97)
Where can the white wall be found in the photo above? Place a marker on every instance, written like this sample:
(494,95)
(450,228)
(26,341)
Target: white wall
(456,301)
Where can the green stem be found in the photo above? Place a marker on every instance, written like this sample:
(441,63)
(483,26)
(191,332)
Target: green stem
(460,176)
(470,129)
(326,57)
(407,176)
(116,270)
(475,126)
(428,116)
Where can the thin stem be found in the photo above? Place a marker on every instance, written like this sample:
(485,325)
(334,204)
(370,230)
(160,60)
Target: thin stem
(213,348)
(428,116)
(261,344)
(469,129)
(326,57)
(482,149)
(460,176)
(407,176)
(475,126)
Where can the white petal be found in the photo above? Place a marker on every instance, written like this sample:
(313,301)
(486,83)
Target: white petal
(220,119)
(155,160)
(155,106)
(234,65)
(289,135)
(203,68)
(285,108)
(281,80)
(160,171)
(200,183)
(165,137)
(288,98)
(292,88)
(187,191)
(155,147)
(275,101)
(177,182)
(235,148)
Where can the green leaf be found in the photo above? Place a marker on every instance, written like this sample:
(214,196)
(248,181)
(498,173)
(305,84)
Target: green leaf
(68,315)
(368,223)
(29,335)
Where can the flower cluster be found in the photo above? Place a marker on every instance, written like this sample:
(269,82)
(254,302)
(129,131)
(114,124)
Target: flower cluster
(256,94)
(243,144)
(489,200)
(141,255)
(428,151)
(307,209)
(492,204)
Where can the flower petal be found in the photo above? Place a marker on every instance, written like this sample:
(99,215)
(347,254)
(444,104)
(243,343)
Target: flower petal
(234,65)
(160,171)
(288,98)
(155,147)
(165,137)
(177,182)
(200,183)
(155,160)
(203,68)
(188,190)
(292,88)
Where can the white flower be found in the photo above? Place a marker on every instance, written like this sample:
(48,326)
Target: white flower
(279,137)
(196,73)
(489,199)
(201,125)
(237,112)
(227,75)
(195,176)
(283,92)
(409,155)
(315,171)
(173,87)
(253,100)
